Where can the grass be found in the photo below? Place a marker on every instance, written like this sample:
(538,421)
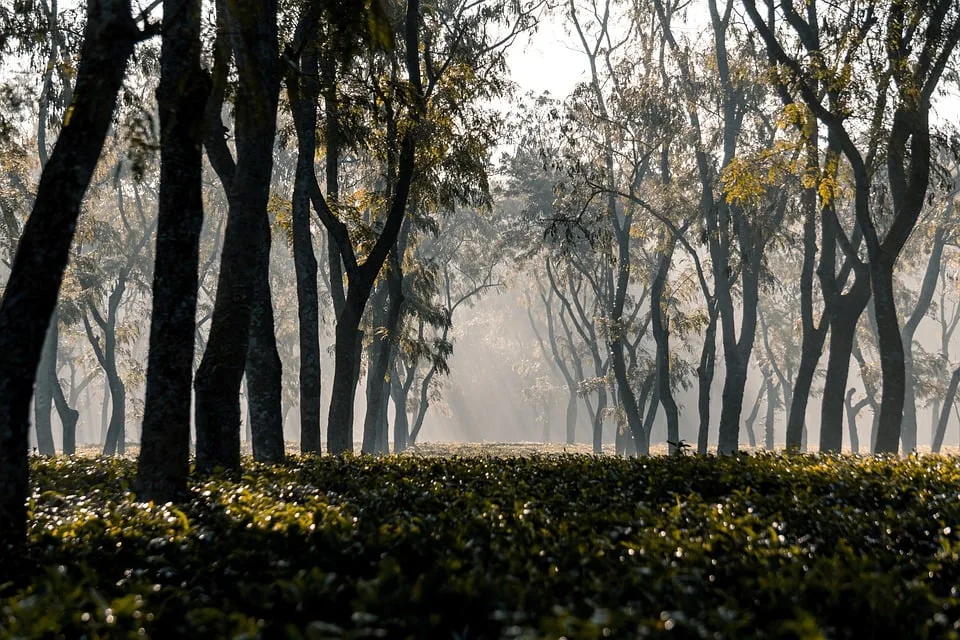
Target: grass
(498,547)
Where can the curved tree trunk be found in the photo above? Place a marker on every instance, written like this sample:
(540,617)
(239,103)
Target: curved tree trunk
(253,31)
(843,327)
(892,365)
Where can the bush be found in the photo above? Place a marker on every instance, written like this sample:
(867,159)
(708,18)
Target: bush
(698,547)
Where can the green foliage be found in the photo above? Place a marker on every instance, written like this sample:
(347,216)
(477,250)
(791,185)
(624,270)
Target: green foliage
(800,547)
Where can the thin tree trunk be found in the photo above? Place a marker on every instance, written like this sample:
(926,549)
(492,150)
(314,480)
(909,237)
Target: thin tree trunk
(401,422)
(661,333)
(752,418)
(908,429)
(43,395)
(770,419)
(705,374)
(852,412)
(948,401)
(303,89)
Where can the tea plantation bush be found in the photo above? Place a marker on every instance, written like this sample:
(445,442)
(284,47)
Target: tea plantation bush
(686,547)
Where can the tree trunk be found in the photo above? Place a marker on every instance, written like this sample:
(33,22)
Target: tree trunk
(401,423)
(377,379)
(908,430)
(303,90)
(705,373)
(852,421)
(752,418)
(890,346)
(43,394)
(346,364)
(598,421)
(115,443)
(661,334)
(253,30)
(842,329)
(37,271)
(164,461)
(733,386)
(263,368)
(948,401)
(770,419)
(69,418)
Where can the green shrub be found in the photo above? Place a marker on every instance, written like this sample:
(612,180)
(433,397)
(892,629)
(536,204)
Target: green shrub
(577,546)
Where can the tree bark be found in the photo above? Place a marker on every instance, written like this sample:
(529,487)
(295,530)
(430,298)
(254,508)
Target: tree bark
(361,277)
(263,367)
(164,461)
(948,401)
(705,374)
(908,429)
(661,334)
(43,394)
(892,367)
(69,417)
(253,30)
(845,315)
(303,90)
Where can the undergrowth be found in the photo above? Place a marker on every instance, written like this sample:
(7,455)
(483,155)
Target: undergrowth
(546,546)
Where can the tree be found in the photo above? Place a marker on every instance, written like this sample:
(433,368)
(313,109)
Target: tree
(164,460)
(31,293)
(241,292)
(909,47)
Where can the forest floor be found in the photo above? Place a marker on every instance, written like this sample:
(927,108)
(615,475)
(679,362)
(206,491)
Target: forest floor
(524,545)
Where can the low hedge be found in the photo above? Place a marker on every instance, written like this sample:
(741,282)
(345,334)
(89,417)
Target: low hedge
(546,546)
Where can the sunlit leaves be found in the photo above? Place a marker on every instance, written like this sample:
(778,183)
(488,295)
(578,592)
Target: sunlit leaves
(506,547)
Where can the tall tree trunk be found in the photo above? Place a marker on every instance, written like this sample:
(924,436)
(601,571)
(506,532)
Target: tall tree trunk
(164,461)
(115,443)
(812,336)
(852,412)
(253,30)
(303,89)
(263,367)
(345,367)
(377,357)
(37,271)
(752,418)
